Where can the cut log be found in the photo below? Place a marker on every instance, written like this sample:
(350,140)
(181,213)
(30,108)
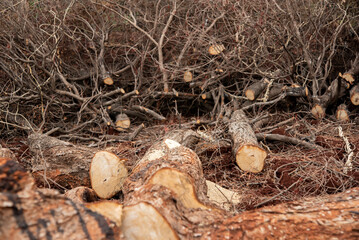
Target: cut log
(216,49)
(354,70)
(143,221)
(336,90)
(256,89)
(248,154)
(59,161)
(108,81)
(28,213)
(342,113)
(62,162)
(187,76)
(190,216)
(107,173)
(206,96)
(289,91)
(123,122)
(354,95)
(157,207)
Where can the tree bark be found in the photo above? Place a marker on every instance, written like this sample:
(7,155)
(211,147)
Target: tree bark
(256,89)
(30,213)
(249,155)
(165,198)
(59,161)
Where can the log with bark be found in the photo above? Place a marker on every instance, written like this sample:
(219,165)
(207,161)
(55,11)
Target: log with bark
(30,213)
(254,90)
(165,198)
(249,155)
(60,162)
(289,91)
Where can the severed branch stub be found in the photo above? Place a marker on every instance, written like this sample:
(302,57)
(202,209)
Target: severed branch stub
(336,90)
(256,89)
(123,122)
(342,113)
(249,155)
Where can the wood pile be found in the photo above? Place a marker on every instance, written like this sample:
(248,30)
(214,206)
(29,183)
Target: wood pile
(165,196)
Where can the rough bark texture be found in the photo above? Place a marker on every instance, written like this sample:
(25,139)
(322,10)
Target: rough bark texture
(294,91)
(169,177)
(60,161)
(165,199)
(249,155)
(28,213)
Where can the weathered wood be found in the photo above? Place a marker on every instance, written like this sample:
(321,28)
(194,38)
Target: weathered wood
(29,213)
(62,162)
(249,155)
(354,95)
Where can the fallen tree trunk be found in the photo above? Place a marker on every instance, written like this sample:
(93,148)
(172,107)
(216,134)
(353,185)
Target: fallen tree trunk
(59,161)
(249,155)
(165,198)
